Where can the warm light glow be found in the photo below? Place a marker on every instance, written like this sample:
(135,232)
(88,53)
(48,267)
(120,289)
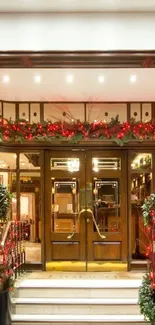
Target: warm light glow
(69,78)
(101,79)
(95,161)
(133,78)
(74,190)
(15,156)
(95,165)
(6,79)
(95,169)
(37,78)
(73,165)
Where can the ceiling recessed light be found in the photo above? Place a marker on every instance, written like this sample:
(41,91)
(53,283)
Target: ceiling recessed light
(101,79)
(133,78)
(6,79)
(69,78)
(37,78)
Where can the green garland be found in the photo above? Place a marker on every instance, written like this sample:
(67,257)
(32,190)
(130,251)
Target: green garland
(121,133)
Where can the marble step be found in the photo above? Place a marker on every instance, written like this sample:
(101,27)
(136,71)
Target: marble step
(85,288)
(77,319)
(73,306)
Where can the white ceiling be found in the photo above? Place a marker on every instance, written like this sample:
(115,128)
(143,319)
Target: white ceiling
(76,5)
(85,87)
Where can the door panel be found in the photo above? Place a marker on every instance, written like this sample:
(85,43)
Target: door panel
(109,207)
(85,210)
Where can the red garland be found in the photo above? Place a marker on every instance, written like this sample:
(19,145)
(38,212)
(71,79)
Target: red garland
(120,133)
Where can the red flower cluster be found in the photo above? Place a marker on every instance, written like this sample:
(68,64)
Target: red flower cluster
(121,133)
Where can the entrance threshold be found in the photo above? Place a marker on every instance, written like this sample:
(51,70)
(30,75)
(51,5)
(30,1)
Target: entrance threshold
(82,266)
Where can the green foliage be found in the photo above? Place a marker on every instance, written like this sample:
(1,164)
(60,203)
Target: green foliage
(5,201)
(147,207)
(147,299)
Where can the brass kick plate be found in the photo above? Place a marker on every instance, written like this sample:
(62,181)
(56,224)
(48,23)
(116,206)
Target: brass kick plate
(81,266)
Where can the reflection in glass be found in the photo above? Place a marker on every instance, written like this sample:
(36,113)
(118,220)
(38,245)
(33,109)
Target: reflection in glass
(106,164)
(29,161)
(65,205)
(141,161)
(13,188)
(107,204)
(69,164)
(141,187)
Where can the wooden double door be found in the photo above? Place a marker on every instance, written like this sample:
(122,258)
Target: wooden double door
(85,210)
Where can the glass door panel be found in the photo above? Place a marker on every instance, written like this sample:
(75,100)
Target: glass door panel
(107,204)
(64,205)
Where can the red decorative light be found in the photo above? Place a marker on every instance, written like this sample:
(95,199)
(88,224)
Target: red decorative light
(20,131)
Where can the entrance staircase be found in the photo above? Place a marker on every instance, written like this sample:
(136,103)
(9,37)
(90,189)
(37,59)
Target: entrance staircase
(77,299)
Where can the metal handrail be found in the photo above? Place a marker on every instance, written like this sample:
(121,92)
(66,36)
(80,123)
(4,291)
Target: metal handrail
(70,236)
(95,223)
(12,251)
(6,231)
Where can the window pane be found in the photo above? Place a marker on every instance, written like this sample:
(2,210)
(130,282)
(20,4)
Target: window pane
(8,160)
(141,161)
(141,188)
(14,199)
(69,164)
(8,178)
(29,161)
(106,164)
(30,212)
(107,204)
(65,205)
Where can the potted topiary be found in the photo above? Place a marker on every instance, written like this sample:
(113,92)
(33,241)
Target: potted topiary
(5,279)
(147,289)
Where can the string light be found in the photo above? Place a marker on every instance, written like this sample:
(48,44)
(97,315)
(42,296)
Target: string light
(120,133)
